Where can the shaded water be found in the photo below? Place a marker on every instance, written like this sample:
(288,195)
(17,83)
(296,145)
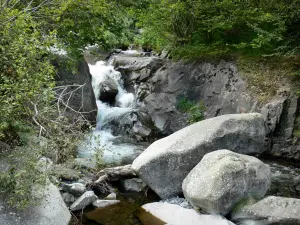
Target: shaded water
(123,213)
(285,178)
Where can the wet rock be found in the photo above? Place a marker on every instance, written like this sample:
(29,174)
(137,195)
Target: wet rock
(140,129)
(108,90)
(83,201)
(270,211)
(111,196)
(68,198)
(105,203)
(129,64)
(51,210)
(164,164)
(224,178)
(76,189)
(165,213)
(134,184)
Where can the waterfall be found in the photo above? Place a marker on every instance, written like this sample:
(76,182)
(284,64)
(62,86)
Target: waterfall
(102,140)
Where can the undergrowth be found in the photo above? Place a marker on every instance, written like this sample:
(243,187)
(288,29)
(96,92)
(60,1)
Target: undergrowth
(265,76)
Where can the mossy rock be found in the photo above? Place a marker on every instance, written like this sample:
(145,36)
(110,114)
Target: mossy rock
(64,173)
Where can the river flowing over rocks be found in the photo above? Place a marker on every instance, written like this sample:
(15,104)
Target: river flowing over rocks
(161,167)
(137,98)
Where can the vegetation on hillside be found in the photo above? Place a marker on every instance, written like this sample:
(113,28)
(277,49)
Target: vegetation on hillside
(197,28)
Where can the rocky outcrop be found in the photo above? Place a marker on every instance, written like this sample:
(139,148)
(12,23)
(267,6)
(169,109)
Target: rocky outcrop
(270,211)
(50,211)
(219,87)
(280,115)
(165,213)
(78,93)
(164,164)
(159,84)
(224,178)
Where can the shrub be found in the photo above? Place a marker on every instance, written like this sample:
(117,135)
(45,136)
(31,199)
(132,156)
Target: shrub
(22,175)
(194,111)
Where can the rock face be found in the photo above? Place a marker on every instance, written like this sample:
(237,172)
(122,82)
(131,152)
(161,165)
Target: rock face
(281,118)
(224,178)
(83,201)
(108,90)
(51,211)
(82,99)
(164,164)
(165,213)
(162,82)
(159,85)
(270,211)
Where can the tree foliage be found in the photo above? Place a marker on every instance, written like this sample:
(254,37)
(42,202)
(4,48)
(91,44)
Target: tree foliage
(203,27)
(25,71)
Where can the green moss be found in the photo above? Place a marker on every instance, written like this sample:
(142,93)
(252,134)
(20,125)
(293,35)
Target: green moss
(242,203)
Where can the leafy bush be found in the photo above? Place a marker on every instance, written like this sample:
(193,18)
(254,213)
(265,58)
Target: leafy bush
(196,113)
(184,104)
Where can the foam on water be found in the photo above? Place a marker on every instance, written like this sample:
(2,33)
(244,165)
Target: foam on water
(101,139)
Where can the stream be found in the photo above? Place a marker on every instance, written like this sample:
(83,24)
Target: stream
(112,149)
(119,149)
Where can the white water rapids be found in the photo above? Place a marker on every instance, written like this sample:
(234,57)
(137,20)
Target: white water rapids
(102,141)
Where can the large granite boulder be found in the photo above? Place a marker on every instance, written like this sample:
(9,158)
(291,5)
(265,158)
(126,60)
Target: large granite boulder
(50,211)
(165,213)
(270,211)
(164,164)
(223,178)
